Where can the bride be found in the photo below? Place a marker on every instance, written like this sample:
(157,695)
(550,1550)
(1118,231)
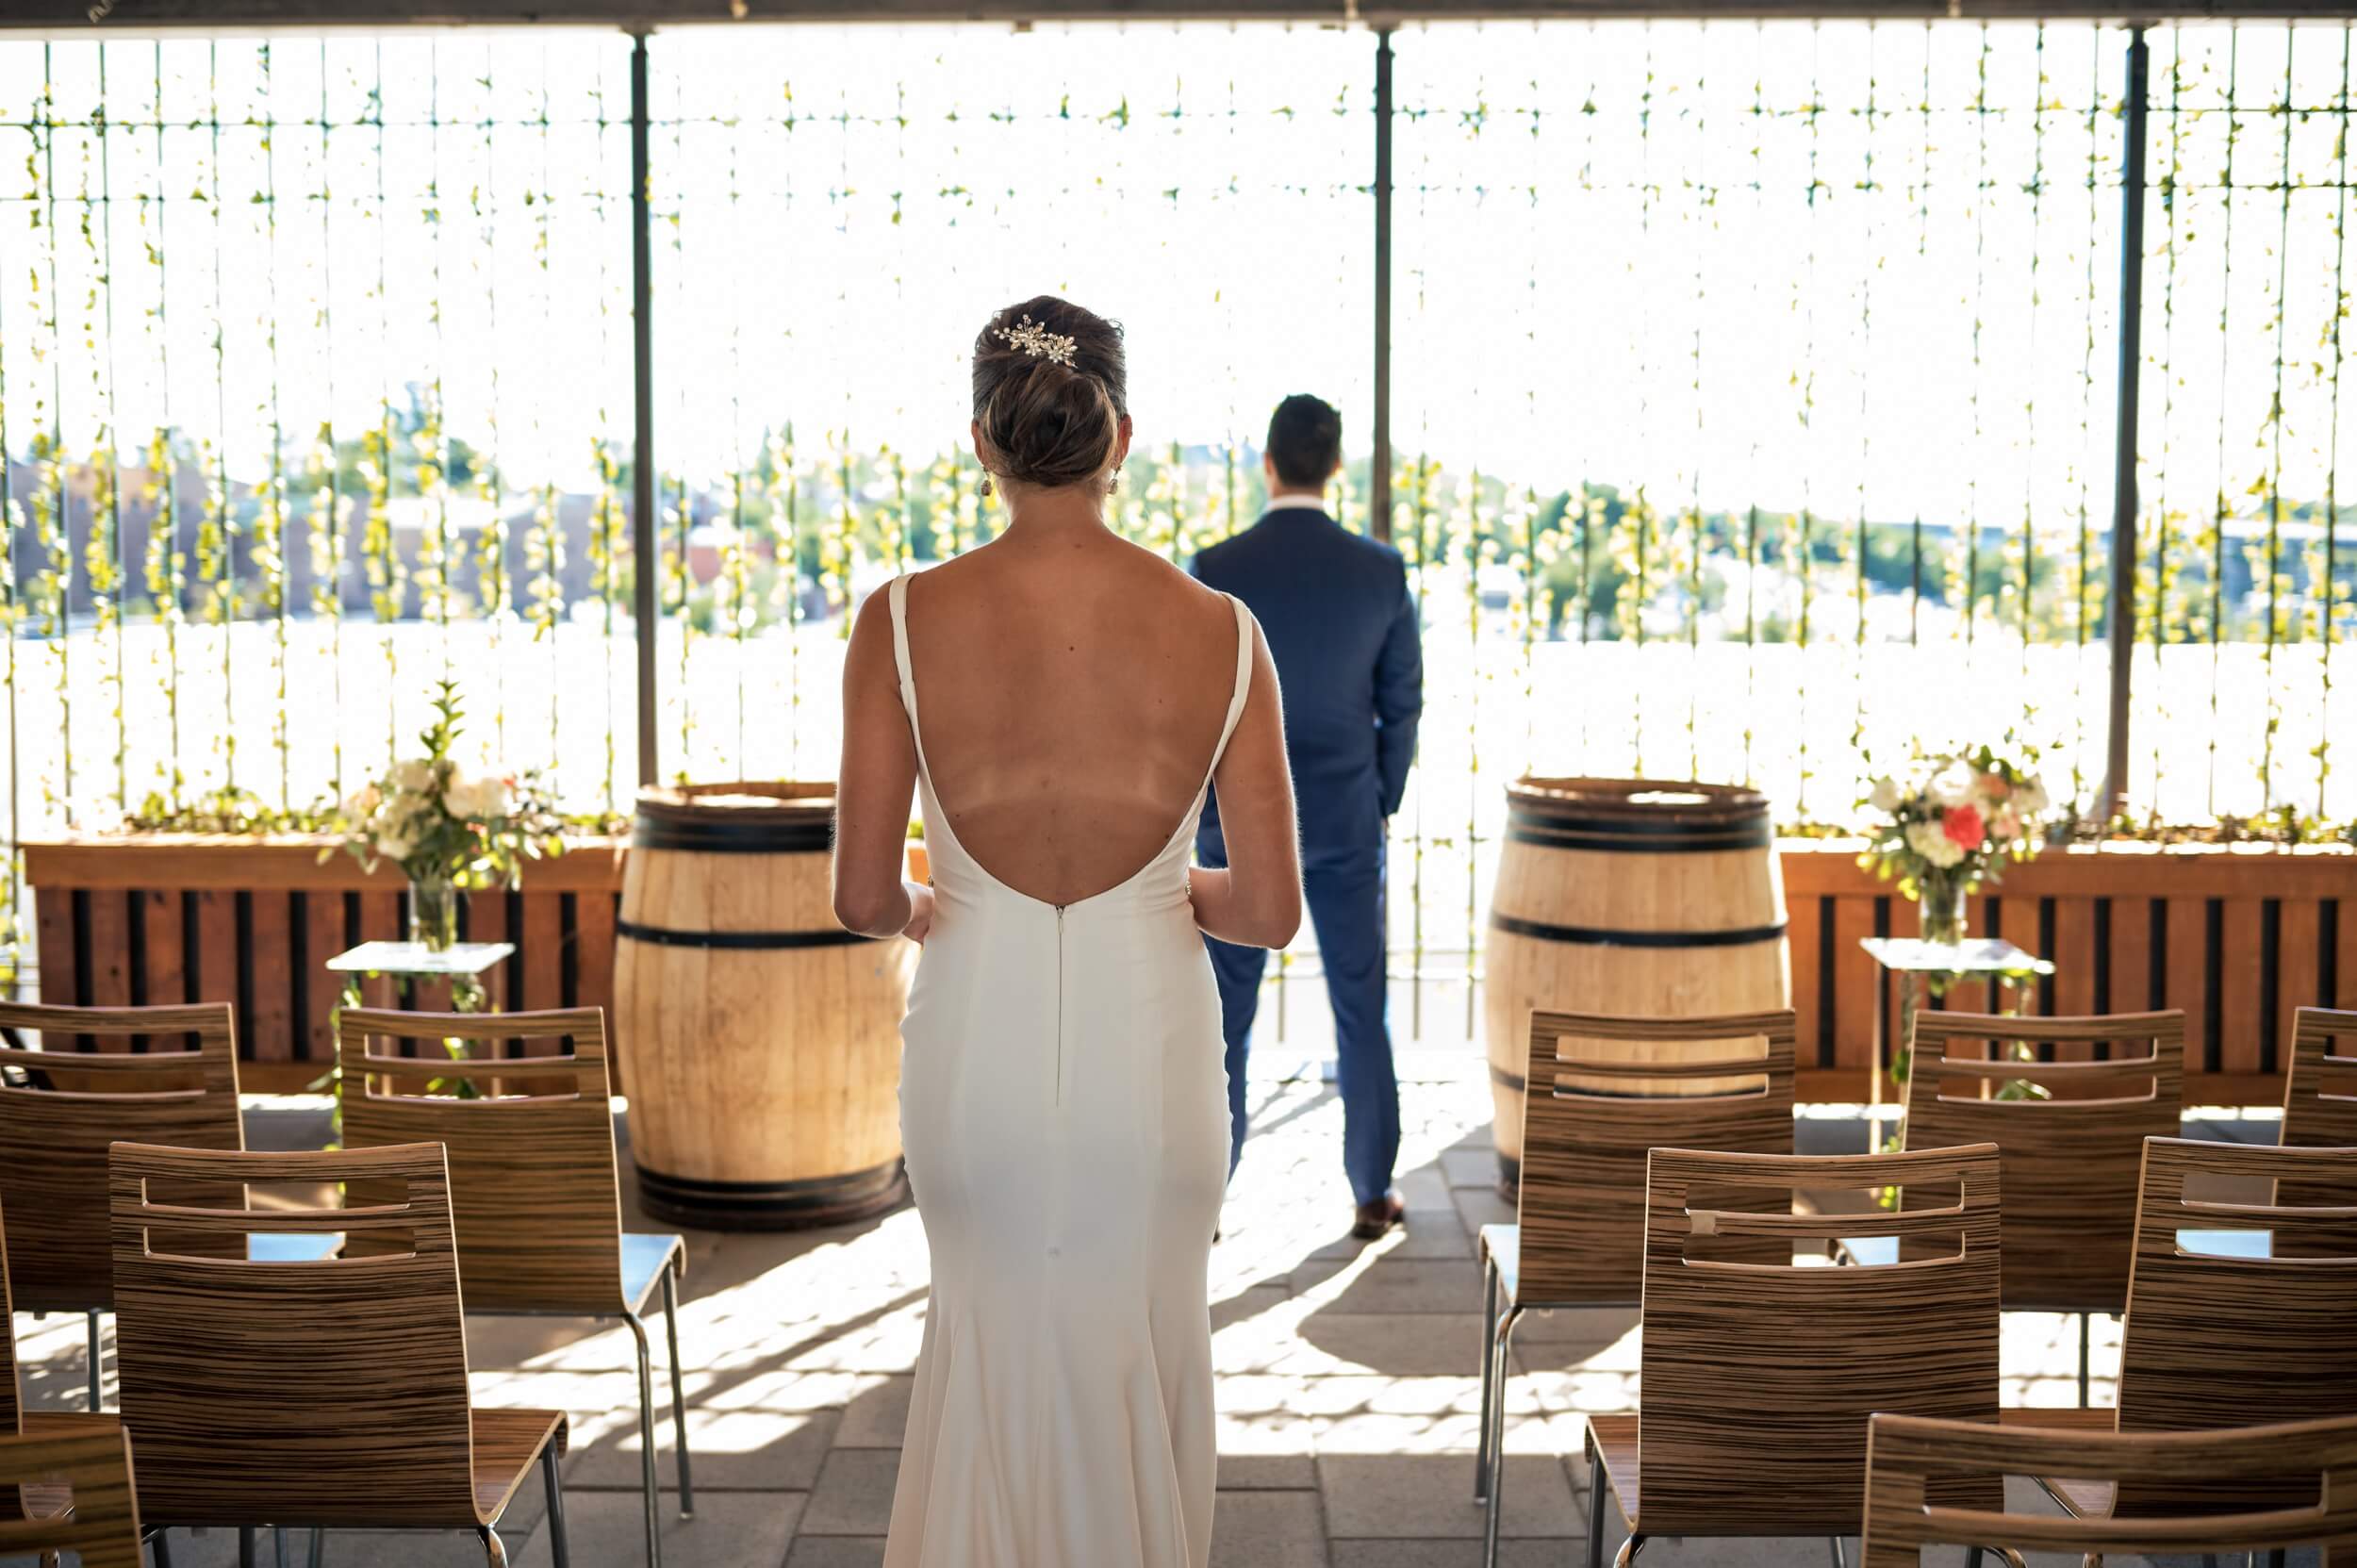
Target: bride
(1061,702)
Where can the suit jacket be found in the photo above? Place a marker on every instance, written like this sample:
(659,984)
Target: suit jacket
(1343,633)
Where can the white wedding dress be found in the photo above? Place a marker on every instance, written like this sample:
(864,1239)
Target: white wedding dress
(1064,1105)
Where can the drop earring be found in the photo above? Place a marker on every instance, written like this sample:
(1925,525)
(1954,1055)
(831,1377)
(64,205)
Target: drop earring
(987,490)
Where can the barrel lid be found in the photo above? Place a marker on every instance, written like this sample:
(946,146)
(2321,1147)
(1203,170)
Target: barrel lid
(779,801)
(1651,805)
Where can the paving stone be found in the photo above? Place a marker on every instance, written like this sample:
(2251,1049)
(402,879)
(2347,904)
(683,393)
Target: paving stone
(1431,1494)
(1403,1344)
(1383,1284)
(878,1414)
(734,1450)
(1456,1554)
(606,1529)
(836,1551)
(854,1492)
(1268,1530)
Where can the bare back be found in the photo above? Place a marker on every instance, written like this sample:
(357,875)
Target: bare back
(1071,693)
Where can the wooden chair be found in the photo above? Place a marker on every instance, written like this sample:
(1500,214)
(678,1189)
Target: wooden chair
(534,1182)
(59,1110)
(24,1501)
(1907,1457)
(2234,1307)
(1579,1236)
(90,1509)
(330,1392)
(2070,1160)
(1759,1378)
(2320,1086)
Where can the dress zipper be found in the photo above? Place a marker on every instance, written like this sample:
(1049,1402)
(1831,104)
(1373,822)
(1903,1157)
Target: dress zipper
(1058,1096)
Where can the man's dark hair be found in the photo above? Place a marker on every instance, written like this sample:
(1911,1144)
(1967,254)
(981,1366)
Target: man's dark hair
(1305,439)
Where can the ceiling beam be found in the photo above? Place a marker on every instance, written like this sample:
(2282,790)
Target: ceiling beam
(142,16)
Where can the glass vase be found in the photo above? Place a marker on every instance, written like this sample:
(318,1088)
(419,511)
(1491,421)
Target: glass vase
(1940,907)
(433,913)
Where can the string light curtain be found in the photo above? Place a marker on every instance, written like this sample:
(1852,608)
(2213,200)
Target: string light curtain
(831,236)
(313,366)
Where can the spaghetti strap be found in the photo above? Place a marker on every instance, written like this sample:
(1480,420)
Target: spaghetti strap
(898,596)
(1244,679)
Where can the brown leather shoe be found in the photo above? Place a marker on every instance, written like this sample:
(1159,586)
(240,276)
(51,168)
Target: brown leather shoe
(1379,1216)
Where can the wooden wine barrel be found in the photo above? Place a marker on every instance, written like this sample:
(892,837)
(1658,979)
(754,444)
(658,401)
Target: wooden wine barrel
(1624,897)
(759,1042)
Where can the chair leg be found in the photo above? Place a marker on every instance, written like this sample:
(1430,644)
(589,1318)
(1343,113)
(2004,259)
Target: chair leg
(1488,1376)
(2086,1326)
(1972,1557)
(318,1548)
(1629,1549)
(278,1545)
(1596,1501)
(245,1547)
(646,1442)
(494,1550)
(1494,1519)
(97,1363)
(560,1549)
(1840,1558)
(679,1396)
(162,1551)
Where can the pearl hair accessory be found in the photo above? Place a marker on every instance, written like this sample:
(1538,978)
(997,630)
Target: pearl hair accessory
(1040,343)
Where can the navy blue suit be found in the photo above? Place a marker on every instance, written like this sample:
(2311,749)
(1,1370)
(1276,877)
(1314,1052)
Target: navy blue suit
(1343,632)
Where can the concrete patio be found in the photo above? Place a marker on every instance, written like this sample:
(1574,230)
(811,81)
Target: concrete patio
(1348,1392)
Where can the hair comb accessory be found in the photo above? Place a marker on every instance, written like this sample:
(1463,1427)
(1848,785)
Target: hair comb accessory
(1040,343)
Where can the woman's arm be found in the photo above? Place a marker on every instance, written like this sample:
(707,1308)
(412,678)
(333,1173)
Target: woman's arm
(874,788)
(1255,901)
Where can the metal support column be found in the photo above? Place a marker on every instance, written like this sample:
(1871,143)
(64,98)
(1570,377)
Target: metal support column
(2123,607)
(1379,475)
(645,529)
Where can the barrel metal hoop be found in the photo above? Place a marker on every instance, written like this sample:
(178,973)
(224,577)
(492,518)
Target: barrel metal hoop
(772,1205)
(1650,839)
(709,836)
(1596,937)
(1505,1079)
(737,940)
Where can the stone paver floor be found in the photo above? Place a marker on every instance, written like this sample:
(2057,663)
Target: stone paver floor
(1348,1384)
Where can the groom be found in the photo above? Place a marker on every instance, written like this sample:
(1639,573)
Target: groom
(1343,632)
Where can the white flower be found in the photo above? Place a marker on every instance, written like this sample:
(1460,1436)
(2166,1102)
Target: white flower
(478,799)
(398,840)
(1931,841)
(1952,786)
(1885,796)
(414,777)
(363,801)
(2029,796)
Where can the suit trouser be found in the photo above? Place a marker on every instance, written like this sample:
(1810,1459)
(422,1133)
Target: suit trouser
(1346,908)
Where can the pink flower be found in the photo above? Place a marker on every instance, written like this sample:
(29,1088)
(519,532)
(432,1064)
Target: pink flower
(1994,786)
(1964,828)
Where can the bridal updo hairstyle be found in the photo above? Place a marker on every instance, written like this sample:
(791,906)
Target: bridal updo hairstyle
(1044,421)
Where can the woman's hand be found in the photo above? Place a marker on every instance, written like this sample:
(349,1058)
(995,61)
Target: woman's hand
(920,913)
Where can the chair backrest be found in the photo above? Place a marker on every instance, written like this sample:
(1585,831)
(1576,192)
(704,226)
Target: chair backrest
(332,1391)
(1758,1378)
(11,1387)
(1907,1457)
(53,1139)
(533,1190)
(103,1524)
(2071,1159)
(1582,1206)
(2210,1337)
(2320,1086)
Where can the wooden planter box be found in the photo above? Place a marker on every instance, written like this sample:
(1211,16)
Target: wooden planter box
(2237,936)
(173,917)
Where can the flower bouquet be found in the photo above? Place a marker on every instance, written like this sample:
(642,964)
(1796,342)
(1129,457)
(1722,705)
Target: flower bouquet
(449,830)
(1950,826)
